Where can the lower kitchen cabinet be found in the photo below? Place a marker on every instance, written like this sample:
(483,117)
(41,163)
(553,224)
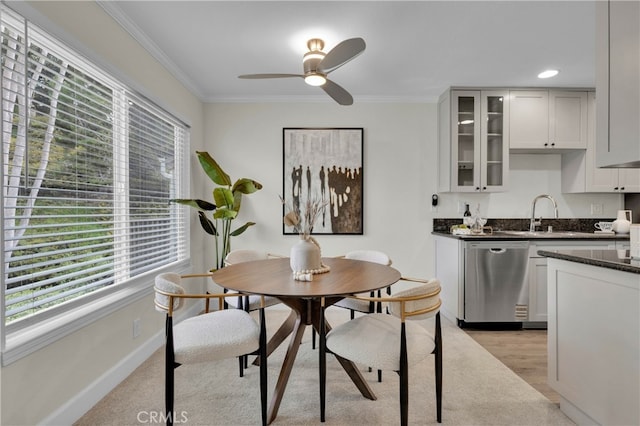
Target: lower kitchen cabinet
(537,274)
(449,261)
(537,289)
(593,342)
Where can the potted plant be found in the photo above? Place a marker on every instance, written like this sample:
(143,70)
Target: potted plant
(227,201)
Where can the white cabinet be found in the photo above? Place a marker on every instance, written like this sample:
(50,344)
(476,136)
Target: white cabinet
(537,289)
(537,273)
(617,83)
(593,342)
(449,264)
(473,145)
(547,119)
(580,172)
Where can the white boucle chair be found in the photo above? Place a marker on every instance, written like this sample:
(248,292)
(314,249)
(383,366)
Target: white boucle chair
(251,302)
(213,336)
(247,302)
(359,305)
(390,342)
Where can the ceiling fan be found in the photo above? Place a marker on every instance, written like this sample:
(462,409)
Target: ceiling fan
(317,64)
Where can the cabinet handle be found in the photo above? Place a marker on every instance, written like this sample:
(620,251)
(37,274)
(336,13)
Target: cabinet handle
(484,188)
(546,144)
(477,188)
(615,189)
(622,188)
(553,144)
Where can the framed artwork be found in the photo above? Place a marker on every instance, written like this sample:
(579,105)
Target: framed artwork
(325,164)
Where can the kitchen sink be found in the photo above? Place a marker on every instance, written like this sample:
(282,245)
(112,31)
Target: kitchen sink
(542,234)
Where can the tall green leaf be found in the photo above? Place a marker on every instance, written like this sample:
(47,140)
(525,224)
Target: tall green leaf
(196,204)
(242,229)
(223,197)
(213,169)
(246,186)
(207,225)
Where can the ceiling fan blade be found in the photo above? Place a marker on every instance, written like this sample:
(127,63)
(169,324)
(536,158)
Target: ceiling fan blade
(338,94)
(341,54)
(256,76)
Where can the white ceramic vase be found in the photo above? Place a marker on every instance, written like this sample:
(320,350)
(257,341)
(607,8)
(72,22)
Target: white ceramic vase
(305,255)
(622,224)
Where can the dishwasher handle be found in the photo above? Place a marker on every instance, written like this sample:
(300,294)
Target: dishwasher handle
(497,250)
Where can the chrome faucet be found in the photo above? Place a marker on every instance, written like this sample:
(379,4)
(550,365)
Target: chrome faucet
(534,222)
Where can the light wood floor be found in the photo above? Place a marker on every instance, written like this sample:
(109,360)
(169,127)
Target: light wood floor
(523,351)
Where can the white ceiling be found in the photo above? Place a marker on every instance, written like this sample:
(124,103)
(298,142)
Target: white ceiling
(415,50)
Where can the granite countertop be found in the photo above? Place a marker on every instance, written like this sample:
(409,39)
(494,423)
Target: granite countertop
(508,229)
(612,259)
(525,235)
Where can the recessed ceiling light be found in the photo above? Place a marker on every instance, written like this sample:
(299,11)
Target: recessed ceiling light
(548,73)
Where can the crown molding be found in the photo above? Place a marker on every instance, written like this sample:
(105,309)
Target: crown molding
(113,10)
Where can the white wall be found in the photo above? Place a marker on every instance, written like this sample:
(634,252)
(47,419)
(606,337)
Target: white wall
(54,384)
(531,175)
(399,177)
(246,139)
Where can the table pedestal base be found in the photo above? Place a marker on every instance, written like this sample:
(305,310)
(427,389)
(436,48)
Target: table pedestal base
(304,312)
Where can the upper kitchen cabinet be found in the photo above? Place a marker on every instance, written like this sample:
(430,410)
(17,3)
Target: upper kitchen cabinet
(473,145)
(547,120)
(580,172)
(617,83)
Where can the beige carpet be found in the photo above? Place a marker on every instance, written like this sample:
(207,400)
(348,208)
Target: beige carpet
(477,390)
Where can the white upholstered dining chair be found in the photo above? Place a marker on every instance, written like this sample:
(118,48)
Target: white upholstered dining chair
(361,305)
(248,303)
(212,336)
(251,302)
(390,342)
(358,305)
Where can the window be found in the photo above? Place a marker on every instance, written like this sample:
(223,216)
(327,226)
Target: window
(88,170)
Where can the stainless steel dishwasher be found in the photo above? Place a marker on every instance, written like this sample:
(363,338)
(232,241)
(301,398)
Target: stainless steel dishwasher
(495,281)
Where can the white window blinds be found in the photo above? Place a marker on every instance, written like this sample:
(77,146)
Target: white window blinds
(88,170)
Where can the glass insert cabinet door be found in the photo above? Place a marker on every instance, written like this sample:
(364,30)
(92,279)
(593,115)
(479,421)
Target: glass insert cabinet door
(479,140)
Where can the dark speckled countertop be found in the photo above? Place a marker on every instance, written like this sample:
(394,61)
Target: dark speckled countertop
(611,259)
(524,235)
(515,229)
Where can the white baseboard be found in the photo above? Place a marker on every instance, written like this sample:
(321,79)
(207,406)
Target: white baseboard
(76,407)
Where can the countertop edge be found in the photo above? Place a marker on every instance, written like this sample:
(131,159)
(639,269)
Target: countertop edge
(590,257)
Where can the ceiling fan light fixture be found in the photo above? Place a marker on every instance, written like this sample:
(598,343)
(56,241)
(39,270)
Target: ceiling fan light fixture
(313,55)
(315,79)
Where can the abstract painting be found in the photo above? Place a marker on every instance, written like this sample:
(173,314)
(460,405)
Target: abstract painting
(325,164)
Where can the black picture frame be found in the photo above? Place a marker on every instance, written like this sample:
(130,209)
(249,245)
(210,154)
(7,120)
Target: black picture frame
(327,164)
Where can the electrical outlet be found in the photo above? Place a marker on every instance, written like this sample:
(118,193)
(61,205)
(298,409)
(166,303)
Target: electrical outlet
(596,208)
(136,328)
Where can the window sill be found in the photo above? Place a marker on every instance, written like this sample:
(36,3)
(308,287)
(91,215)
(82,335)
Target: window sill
(30,339)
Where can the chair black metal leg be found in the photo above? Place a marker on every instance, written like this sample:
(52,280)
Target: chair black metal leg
(438,366)
(241,365)
(263,368)
(169,371)
(404,378)
(379,376)
(323,365)
(313,338)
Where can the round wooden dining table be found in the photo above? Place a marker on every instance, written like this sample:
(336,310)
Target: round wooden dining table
(273,277)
